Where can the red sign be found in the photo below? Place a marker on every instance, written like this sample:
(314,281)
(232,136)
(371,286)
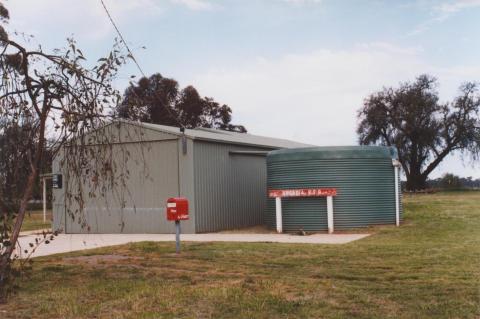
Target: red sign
(303,192)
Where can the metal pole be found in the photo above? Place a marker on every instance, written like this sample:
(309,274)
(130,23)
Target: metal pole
(44,200)
(278,210)
(330,214)
(397,198)
(177,236)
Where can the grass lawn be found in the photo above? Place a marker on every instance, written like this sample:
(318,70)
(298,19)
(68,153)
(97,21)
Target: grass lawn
(34,220)
(428,268)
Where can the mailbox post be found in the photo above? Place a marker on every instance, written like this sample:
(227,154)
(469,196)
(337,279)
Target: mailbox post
(177,210)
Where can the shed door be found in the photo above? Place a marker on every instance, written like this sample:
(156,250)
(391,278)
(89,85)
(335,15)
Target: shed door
(153,177)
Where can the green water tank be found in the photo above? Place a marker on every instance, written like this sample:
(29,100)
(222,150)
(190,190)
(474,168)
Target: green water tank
(364,177)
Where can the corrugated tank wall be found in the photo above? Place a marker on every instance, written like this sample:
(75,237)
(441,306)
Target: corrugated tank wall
(230,189)
(364,179)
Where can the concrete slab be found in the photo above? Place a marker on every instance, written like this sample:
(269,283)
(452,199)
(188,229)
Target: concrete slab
(73,242)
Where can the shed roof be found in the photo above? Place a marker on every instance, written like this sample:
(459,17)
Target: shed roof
(222,136)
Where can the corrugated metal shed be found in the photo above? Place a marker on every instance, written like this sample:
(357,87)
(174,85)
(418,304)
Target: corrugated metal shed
(363,176)
(223,174)
(230,186)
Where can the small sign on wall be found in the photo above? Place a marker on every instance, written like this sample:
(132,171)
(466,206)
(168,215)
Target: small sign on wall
(57,180)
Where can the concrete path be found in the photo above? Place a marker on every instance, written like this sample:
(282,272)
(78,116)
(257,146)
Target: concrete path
(72,242)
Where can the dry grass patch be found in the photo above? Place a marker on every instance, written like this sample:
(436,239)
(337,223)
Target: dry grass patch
(34,221)
(425,269)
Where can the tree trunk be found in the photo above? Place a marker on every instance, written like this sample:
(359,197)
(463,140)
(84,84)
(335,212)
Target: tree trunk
(5,258)
(416,182)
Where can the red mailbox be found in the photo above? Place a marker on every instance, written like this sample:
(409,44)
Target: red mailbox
(177,208)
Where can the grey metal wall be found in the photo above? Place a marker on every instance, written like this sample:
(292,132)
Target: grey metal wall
(186,178)
(230,189)
(154,176)
(366,192)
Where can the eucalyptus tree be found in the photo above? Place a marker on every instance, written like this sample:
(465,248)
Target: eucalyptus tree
(160,100)
(423,129)
(51,101)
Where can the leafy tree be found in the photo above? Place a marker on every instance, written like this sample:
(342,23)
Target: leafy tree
(424,130)
(159,100)
(15,146)
(450,181)
(4,16)
(50,96)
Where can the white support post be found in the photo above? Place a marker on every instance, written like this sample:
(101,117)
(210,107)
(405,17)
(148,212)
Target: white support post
(397,198)
(44,180)
(330,214)
(278,210)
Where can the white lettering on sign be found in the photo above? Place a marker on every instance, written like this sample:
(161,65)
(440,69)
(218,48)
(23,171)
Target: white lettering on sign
(302,192)
(171,204)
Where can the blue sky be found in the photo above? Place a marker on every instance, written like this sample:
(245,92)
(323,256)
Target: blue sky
(296,69)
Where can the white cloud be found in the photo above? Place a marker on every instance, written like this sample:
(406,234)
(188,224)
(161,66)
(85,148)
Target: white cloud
(443,12)
(299,2)
(196,5)
(86,17)
(458,5)
(314,97)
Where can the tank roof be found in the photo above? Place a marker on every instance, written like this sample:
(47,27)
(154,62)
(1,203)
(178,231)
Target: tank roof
(333,152)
